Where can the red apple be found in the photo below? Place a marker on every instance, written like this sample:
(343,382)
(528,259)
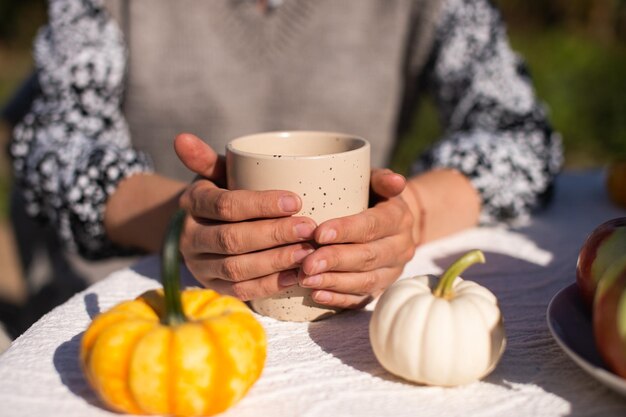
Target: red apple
(609,317)
(603,246)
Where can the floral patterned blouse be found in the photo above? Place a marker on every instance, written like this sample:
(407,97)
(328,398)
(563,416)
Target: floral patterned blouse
(73,147)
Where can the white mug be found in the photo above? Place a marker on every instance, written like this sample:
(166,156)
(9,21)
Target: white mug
(329,171)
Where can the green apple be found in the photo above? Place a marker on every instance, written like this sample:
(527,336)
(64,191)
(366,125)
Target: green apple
(609,317)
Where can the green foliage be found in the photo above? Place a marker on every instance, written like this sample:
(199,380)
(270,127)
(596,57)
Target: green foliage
(581,81)
(583,84)
(19,20)
(424,130)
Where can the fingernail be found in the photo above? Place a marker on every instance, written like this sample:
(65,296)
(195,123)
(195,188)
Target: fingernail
(328,236)
(288,278)
(312,281)
(319,266)
(304,230)
(300,254)
(288,204)
(322,296)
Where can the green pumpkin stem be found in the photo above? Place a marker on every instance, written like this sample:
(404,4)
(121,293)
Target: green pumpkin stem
(444,287)
(170,270)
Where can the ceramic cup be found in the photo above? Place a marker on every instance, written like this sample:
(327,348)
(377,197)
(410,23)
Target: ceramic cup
(329,171)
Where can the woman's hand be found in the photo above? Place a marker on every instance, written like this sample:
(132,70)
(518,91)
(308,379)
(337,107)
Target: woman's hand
(365,253)
(248,240)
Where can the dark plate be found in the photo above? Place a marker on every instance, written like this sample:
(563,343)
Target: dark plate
(570,325)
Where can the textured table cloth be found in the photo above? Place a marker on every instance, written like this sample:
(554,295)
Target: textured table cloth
(328,368)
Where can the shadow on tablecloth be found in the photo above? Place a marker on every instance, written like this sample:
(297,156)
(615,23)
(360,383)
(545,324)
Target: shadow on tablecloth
(66,359)
(353,348)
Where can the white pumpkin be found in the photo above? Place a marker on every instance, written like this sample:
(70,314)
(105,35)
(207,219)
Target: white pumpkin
(443,332)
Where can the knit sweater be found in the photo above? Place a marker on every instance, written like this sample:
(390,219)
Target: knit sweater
(117,87)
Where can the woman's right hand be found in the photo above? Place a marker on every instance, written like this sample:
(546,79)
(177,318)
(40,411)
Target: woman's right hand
(244,243)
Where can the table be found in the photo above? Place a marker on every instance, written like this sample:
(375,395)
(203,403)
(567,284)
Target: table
(328,368)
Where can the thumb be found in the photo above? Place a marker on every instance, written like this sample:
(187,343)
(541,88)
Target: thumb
(199,157)
(387,184)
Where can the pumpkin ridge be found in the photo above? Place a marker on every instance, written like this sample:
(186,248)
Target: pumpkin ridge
(136,336)
(220,371)
(406,309)
(246,320)
(105,320)
(171,398)
(197,310)
(430,323)
(480,292)
(91,335)
(140,335)
(221,306)
(429,313)
(479,303)
(142,385)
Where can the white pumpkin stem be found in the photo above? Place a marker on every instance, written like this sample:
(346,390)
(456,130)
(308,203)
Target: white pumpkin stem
(444,287)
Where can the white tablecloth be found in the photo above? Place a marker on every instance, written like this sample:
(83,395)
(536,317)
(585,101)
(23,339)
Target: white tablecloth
(328,368)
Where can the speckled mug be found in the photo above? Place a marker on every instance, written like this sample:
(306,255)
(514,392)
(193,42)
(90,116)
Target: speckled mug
(329,171)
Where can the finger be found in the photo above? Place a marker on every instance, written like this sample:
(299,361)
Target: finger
(360,257)
(249,266)
(199,157)
(386,183)
(203,199)
(341,300)
(256,288)
(356,283)
(384,219)
(245,237)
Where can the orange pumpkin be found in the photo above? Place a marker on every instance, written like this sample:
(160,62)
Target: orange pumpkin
(616,182)
(165,354)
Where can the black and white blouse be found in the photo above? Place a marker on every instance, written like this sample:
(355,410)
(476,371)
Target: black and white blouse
(73,147)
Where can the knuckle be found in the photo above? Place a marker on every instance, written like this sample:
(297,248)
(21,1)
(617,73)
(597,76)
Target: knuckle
(232,269)
(264,209)
(224,206)
(266,204)
(408,254)
(370,258)
(193,198)
(279,261)
(227,240)
(241,291)
(266,288)
(371,227)
(369,283)
(278,234)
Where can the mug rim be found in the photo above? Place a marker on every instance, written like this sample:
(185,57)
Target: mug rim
(364,144)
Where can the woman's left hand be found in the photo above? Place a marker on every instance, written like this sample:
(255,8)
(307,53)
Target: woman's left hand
(364,253)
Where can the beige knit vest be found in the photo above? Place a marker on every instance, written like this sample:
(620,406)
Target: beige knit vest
(222,68)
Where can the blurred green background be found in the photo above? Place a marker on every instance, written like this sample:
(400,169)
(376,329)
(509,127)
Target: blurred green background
(576,51)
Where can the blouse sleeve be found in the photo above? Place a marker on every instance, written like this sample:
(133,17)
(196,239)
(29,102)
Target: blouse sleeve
(495,131)
(73,147)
